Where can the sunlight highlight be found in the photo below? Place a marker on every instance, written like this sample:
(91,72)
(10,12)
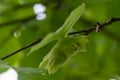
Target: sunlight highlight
(115,78)
(41,16)
(39,10)
(10,74)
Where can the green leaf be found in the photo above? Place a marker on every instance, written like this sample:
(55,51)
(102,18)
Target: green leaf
(49,38)
(32,73)
(71,20)
(62,51)
(23,73)
(62,31)
(4,66)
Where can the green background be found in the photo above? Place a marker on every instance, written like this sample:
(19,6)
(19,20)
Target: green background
(100,62)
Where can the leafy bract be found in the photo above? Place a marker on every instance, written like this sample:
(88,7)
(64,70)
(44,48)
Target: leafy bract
(70,21)
(62,31)
(62,51)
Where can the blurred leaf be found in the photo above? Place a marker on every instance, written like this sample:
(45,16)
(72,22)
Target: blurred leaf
(31,74)
(3,66)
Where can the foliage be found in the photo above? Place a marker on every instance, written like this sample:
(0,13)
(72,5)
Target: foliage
(19,27)
(62,32)
(62,51)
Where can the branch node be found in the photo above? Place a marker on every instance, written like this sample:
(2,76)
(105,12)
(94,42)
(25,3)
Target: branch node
(98,27)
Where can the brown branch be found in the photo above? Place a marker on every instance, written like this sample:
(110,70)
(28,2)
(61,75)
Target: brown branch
(97,27)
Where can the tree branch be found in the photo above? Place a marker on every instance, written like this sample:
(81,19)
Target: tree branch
(97,27)
(21,49)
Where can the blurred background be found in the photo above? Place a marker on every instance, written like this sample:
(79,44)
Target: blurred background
(24,21)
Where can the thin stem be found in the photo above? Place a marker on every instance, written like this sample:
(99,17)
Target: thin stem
(21,49)
(97,27)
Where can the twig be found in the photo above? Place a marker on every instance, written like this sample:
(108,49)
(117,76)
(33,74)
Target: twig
(97,27)
(21,49)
